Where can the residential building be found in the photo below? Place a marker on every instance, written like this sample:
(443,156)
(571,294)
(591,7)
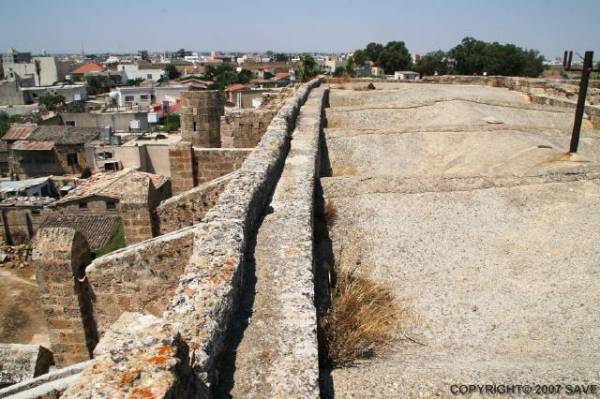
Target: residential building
(406,75)
(102,192)
(148,153)
(120,120)
(71,92)
(133,71)
(133,96)
(82,70)
(45,71)
(35,151)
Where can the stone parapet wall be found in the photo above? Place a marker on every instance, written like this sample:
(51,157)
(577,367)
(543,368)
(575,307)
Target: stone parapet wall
(244,128)
(188,208)
(211,163)
(137,210)
(285,277)
(60,256)
(198,315)
(181,163)
(140,277)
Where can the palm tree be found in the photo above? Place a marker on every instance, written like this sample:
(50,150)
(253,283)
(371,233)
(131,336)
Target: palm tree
(307,68)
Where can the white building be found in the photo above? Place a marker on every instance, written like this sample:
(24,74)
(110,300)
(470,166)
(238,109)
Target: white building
(44,70)
(71,92)
(133,96)
(406,75)
(132,72)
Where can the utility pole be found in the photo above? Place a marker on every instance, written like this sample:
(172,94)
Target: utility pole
(583,85)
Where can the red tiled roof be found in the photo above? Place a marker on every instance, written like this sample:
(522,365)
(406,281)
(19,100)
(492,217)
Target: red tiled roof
(235,87)
(22,145)
(97,229)
(112,185)
(18,132)
(87,68)
(282,75)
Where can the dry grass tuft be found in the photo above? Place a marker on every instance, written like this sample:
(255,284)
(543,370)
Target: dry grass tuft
(330,213)
(363,319)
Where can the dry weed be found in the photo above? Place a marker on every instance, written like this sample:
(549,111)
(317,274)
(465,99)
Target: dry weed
(362,321)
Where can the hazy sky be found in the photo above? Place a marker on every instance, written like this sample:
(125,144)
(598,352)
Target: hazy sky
(550,26)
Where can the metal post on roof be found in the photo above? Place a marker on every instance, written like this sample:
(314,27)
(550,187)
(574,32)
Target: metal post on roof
(570,59)
(583,85)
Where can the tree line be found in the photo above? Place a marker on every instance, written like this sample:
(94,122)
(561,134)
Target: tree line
(470,57)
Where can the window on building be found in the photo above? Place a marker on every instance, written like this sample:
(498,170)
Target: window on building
(35,211)
(83,205)
(72,159)
(129,99)
(149,76)
(70,123)
(111,205)
(194,126)
(144,97)
(111,166)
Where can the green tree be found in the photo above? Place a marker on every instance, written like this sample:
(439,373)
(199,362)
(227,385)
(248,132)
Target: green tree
(339,71)
(373,51)
(172,72)
(430,63)
(280,57)
(350,66)
(244,76)
(469,56)
(134,82)
(307,68)
(223,75)
(98,84)
(360,57)
(394,57)
(51,101)
(473,56)
(171,122)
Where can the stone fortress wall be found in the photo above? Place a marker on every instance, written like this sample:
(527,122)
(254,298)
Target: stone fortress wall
(184,283)
(161,308)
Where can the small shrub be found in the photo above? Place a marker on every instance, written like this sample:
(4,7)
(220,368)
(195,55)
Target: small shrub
(116,242)
(330,213)
(362,321)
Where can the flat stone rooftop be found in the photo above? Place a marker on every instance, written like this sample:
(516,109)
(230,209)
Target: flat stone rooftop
(462,200)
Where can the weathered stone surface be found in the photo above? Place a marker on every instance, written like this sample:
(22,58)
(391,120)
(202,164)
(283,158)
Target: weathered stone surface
(138,278)
(181,164)
(138,211)
(281,335)
(189,207)
(21,362)
(484,232)
(200,117)
(199,314)
(47,386)
(212,163)
(60,255)
(139,357)
(244,128)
